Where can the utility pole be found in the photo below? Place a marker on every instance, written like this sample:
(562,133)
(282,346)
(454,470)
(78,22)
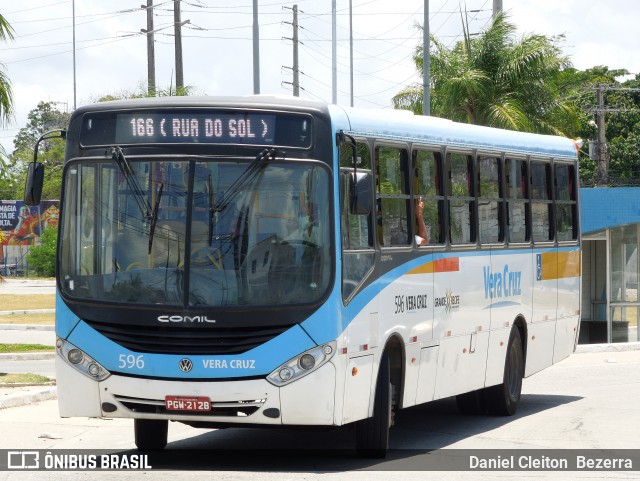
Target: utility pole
(73,13)
(351,51)
(256,49)
(603,149)
(497,8)
(151,56)
(334,55)
(295,83)
(426,62)
(296,67)
(178,45)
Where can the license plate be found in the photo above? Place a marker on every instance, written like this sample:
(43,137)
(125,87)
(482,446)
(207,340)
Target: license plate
(185,403)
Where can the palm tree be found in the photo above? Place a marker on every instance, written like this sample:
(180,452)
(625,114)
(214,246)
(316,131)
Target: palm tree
(493,80)
(6,95)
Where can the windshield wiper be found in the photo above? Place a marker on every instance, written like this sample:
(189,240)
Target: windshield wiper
(154,216)
(246,177)
(130,177)
(212,211)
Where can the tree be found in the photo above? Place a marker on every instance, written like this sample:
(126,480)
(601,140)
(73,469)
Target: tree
(6,94)
(43,118)
(494,80)
(42,258)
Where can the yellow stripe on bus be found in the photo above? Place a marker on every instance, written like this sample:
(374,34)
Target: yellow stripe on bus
(559,265)
(451,264)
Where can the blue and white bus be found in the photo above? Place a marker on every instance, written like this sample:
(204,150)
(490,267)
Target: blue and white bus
(274,261)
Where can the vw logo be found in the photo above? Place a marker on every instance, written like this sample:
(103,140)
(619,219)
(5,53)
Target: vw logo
(185,365)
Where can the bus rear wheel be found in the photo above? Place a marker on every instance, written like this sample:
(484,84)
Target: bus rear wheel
(503,399)
(372,434)
(150,434)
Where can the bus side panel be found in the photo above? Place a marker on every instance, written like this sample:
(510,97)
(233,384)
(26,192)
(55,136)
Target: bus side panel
(539,346)
(461,364)
(568,303)
(541,330)
(412,370)
(512,289)
(427,375)
(358,386)
(461,322)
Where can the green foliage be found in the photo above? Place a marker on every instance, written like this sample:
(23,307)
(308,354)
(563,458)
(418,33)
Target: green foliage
(493,79)
(43,118)
(42,258)
(142,92)
(4,348)
(6,94)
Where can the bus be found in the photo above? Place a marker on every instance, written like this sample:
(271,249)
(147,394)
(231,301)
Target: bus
(272,261)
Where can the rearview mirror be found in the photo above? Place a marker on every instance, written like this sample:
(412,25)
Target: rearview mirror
(360,193)
(33,185)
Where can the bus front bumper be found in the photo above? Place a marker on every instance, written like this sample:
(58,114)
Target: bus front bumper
(306,401)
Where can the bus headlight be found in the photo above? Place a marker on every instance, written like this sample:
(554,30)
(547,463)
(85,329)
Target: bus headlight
(302,365)
(81,361)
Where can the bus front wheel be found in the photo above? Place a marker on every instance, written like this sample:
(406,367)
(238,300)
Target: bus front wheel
(503,399)
(150,434)
(372,434)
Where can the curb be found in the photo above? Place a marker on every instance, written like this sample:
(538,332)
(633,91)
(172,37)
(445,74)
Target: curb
(617,347)
(28,356)
(27,327)
(23,399)
(27,311)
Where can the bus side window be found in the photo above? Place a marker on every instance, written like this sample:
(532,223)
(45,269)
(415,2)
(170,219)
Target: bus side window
(516,185)
(428,187)
(489,205)
(565,201)
(392,196)
(461,199)
(541,204)
(356,230)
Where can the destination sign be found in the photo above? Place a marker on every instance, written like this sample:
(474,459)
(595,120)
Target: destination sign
(196,127)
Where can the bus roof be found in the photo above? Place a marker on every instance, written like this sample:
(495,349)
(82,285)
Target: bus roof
(405,126)
(391,124)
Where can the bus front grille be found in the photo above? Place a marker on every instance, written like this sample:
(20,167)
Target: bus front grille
(173,340)
(240,408)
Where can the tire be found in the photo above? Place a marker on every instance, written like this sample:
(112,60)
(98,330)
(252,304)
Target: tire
(503,399)
(150,434)
(372,434)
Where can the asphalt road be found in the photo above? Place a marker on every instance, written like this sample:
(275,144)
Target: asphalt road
(589,401)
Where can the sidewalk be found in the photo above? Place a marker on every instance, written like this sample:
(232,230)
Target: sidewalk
(27,287)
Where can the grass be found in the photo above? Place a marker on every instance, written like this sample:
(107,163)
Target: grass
(14,302)
(6,379)
(13,348)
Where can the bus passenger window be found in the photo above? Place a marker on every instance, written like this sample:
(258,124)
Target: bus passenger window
(489,211)
(357,241)
(516,194)
(392,196)
(428,189)
(541,201)
(565,200)
(461,199)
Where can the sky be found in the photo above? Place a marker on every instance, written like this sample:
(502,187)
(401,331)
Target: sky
(111,52)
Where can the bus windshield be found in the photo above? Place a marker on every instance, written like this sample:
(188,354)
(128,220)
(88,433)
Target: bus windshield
(196,232)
